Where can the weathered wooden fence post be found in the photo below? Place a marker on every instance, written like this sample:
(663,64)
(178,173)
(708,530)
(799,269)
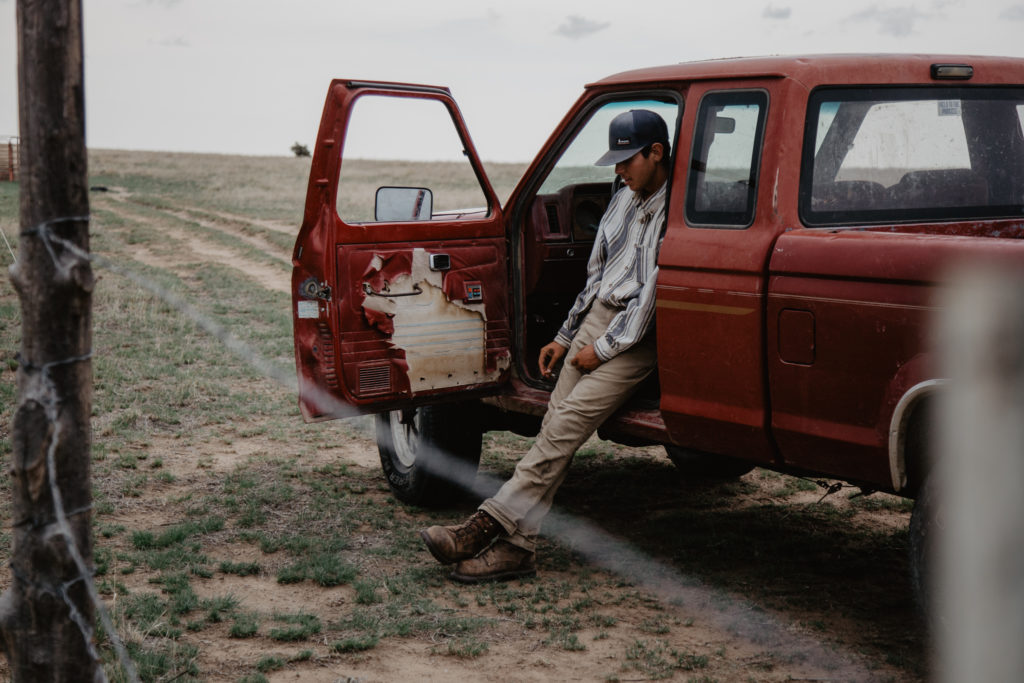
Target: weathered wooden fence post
(980,577)
(12,162)
(46,616)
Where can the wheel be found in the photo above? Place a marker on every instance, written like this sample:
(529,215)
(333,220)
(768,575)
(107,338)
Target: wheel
(701,464)
(429,454)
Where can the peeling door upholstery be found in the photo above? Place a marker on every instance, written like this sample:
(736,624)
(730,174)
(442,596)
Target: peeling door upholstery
(435,336)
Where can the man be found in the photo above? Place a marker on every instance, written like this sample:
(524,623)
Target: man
(608,346)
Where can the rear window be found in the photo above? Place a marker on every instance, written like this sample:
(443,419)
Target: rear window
(882,155)
(722,183)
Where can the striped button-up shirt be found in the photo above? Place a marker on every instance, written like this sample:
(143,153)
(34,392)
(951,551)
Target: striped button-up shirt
(622,272)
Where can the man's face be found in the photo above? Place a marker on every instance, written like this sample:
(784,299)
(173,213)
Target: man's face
(640,173)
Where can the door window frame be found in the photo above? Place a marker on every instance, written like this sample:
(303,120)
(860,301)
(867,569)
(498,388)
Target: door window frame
(732,220)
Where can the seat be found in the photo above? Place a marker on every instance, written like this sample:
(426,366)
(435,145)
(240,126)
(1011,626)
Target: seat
(848,195)
(944,187)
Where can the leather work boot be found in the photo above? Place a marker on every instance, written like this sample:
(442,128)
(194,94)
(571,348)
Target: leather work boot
(449,544)
(501,562)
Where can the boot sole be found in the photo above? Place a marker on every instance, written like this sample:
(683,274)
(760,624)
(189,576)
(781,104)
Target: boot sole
(498,576)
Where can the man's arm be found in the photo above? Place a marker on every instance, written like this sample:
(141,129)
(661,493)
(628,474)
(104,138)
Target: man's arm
(631,324)
(549,357)
(586,360)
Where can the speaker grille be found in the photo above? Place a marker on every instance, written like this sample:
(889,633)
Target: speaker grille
(374,379)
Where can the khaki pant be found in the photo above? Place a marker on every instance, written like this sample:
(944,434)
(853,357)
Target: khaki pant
(578,406)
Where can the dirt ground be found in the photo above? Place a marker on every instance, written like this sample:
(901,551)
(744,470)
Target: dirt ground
(749,642)
(862,628)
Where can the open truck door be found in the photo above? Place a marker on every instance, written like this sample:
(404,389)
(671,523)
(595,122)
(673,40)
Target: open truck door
(400,293)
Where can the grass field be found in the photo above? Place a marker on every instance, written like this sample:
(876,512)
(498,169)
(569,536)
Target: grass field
(233,542)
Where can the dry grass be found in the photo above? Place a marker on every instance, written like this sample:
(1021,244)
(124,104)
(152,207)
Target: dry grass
(274,188)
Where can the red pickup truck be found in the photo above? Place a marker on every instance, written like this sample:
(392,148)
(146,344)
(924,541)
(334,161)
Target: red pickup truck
(814,204)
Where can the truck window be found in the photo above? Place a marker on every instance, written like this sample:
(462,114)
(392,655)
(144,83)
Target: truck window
(575,165)
(722,184)
(402,142)
(876,155)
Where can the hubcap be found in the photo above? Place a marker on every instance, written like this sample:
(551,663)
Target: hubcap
(405,435)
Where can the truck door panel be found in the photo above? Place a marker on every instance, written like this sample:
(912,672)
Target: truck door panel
(394,312)
(710,305)
(866,330)
(435,331)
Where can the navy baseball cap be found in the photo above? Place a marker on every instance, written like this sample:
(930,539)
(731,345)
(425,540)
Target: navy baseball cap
(630,132)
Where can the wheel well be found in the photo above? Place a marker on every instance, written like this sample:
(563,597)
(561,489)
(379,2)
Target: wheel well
(917,444)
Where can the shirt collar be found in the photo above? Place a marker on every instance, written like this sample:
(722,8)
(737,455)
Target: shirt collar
(656,196)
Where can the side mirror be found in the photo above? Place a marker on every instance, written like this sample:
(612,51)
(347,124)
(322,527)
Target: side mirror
(403,204)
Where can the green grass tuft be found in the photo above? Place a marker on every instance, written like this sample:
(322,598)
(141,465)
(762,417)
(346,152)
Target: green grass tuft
(358,644)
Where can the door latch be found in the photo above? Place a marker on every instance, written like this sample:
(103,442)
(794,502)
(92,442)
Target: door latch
(311,289)
(416,289)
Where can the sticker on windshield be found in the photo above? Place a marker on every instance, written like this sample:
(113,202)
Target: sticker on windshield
(308,309)
(949,107)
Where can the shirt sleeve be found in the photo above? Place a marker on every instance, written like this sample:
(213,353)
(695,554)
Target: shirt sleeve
(631,324)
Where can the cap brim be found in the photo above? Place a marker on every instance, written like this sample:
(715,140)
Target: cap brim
(614,156)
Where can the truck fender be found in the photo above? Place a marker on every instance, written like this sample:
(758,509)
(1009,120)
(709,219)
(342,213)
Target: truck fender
(898,427)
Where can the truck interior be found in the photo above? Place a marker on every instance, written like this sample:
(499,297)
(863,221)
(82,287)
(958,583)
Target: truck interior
(557,221)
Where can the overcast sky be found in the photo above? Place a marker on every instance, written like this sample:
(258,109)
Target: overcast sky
(250,76)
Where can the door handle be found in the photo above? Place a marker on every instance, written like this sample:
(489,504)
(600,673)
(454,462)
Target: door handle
(416,289)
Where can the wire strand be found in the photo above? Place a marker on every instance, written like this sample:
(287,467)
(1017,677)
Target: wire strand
(52,405)
(14,258)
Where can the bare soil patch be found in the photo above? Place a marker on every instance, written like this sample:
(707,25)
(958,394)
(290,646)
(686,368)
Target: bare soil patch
(278,226)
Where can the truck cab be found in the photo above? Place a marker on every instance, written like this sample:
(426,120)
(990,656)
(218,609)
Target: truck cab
(815,205)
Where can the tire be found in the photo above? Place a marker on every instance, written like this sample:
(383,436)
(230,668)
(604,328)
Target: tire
(706,465)
(927,517)
(429,454)
(925,526)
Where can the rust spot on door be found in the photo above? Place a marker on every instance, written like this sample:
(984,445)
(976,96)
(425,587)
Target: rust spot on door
(444,340)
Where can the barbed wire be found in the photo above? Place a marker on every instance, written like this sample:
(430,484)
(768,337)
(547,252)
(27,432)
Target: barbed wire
(51,402)
(4,235)
(595,544)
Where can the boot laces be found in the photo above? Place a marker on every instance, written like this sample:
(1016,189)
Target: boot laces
(478,524)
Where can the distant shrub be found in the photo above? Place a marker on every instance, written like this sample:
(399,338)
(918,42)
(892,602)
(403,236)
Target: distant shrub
(300,150)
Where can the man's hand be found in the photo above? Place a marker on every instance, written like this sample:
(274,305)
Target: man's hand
(586,360)
(549,357)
